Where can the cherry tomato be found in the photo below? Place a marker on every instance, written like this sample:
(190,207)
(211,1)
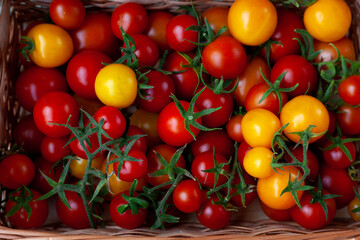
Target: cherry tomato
(56,107)
(127,219)
(233,128)
(217,18)
(312,215)
(241,152)
(54,149)
(147,51)
(349,90)
(252,23)
(328,52)
(257,162)
(78,149)
(177,37)
(259,126)
(35,81)
(141,143)
(131,17)
(348,118)
(328,20)
(213,216)
(298,71)
(82,70)
(132,170)
(78,165)
(68,14)
(224,58)
(114,121)
(39,212)
(275,214)
(250,196)
(47,168)
(116,85)
(354,204)
(270,188)
(16,170)
(187,196)
(301,112)
(336,158)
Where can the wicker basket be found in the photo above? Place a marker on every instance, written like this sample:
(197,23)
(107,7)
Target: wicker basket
(250,223)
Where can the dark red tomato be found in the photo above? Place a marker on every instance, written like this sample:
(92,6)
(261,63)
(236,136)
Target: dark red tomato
(147,51)
(167,152)
(56,107)
(249,197)
(336,158)
(241,152)
(81,72)
(177,37)
(271,102)
(337,181)
(79,151)
(275,214)
(312,215)
(207,141)
(156,28)
(188,197)
(208,99)
(132,170)
(158,97)
(187,81)
(127,219)
(141,143)
(16,170)
(299,70)
(27,135)
(213,216)
(39,212)
(36,81)
(131,17)
(205,161)
(68,14)
(348,119)
(224,58)
(171,126)
(233,128)
(312,161)
(75,216)
(54,149)
(95,34)
(284,33)
(349,90)
(39,182)
(330,131)
(114,121)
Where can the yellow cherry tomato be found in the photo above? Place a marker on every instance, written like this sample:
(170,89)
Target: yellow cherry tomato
(328,20)
(252,22)
(257,162)
(258,127)
(270,188)
(116,85)
(78,165)
(53,46)
(301,112)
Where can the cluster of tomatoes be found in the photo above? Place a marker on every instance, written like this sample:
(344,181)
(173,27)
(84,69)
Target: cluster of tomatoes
(147,115)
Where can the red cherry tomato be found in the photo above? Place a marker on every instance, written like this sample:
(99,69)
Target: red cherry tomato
(114,121)
(275,214)
(233,128)
(187,196)
(79,151)
(68,14)
(241,152)
(54,149)
(147,52)
(349,90)
(336,158)
(348,118)
(213,216)
(141,143)
(39,182)
(132,170)
(249,197)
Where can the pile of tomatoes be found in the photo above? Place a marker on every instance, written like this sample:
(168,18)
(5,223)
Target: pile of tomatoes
(149,115)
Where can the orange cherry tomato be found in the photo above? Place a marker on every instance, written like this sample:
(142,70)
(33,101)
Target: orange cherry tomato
(344,45)
(217,18)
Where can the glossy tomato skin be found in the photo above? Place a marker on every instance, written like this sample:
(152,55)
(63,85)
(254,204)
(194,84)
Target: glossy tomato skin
(217,18)
(349,90)
(68,14)
(81,72)
(348,119)
(76,216)
(213,216)
(241,152)
(95,34)
(206,141)
(354,204)
(114,121)
(208,99)
(39,214)
(147,51)
(257,162)
(35,81)
(233,128)
(299,70)
(39,182)
(132,170)
(328,52)
(336,158)
(311,159)
(127,219)
(16,170)
(337,181)
(224,58)
(56,107)
(156,28)
(187,196)
(158,97)
(27,135)
(205,161)
(177,37)
(312,216)
(131,17)
(79,151)
(275,214)
(54,149)
(171,126)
